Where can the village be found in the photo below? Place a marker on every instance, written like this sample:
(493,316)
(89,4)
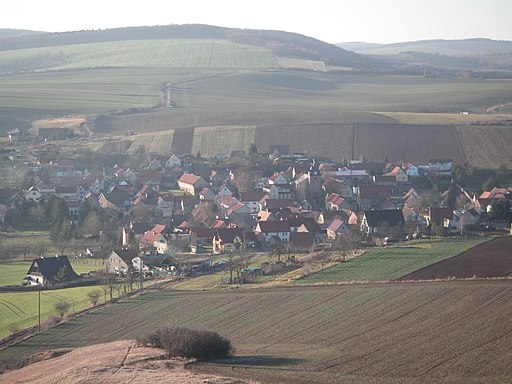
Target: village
(186,215)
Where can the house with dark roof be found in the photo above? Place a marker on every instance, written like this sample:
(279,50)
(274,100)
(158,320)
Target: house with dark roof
(228,240)
(120,261)
(50,270)
(383,222)
(271,231)
(253,200)
(116,200)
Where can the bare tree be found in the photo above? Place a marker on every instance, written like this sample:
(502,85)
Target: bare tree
(62,307)
(94,297)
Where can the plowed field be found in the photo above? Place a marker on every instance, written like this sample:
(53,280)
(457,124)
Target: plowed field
(491,259)
(447,332)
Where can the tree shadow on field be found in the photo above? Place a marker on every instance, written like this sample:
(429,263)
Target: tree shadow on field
(259,361)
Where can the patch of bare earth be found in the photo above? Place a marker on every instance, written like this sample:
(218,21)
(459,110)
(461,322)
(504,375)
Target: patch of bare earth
(116,362)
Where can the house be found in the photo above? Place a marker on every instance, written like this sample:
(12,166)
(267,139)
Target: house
(337,228)
(411,216)
(191,184)
(411,198)
(116,200)
(14,135)
(411,170)
(438,215)
(173,162)
(155,238)
(155,164)
(206,194)
(281,191)
(225,190)
(228,240)
(50,270)
(386,180)
(440,166)
(372,196)
(331,185)
(399,174)
(334,202)
(253,200)
(33,195)
(383,222)
(120,261)
(165,205)
(270,231)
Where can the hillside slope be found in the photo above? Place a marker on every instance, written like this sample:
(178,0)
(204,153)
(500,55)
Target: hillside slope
(280,43)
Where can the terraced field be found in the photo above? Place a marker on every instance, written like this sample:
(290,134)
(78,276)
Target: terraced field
(450,332)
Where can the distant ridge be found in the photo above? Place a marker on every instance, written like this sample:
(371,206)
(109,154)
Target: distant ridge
(462,47)
(284,44)
(8,32)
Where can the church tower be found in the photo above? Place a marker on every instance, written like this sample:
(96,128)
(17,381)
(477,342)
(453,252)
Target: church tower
(314,192)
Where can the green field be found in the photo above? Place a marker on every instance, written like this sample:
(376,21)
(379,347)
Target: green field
(13,272)
(391,263)
(392,333)
(20,309)
(181,53)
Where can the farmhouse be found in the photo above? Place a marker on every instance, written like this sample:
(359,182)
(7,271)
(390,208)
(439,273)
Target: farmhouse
(50,270)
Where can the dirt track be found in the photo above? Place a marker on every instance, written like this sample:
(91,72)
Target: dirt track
(116,362)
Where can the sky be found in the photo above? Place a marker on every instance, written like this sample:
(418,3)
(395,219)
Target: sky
(332,21)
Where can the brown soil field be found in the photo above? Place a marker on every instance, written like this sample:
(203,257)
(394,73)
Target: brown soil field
(117,362)
(330,140)
(491,259)
(487,146)
(455,332)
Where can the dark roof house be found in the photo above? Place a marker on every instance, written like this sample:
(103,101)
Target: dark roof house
(50,270)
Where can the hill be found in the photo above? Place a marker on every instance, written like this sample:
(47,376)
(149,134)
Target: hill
(116,362)
(462,47)
(7,32)
(283,44)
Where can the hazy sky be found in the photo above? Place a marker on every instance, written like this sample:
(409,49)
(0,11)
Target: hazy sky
(333,21)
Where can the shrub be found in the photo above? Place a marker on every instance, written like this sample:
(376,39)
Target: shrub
(184,342)
(62,307)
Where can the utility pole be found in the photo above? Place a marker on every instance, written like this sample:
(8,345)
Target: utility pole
(141,276)
(39,307)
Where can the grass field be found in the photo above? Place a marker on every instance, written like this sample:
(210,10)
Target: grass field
(13,272)
(20,309)
(449,332)
(182,53)
(391,263)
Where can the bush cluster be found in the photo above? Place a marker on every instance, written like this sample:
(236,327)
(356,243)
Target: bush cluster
(189,343)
